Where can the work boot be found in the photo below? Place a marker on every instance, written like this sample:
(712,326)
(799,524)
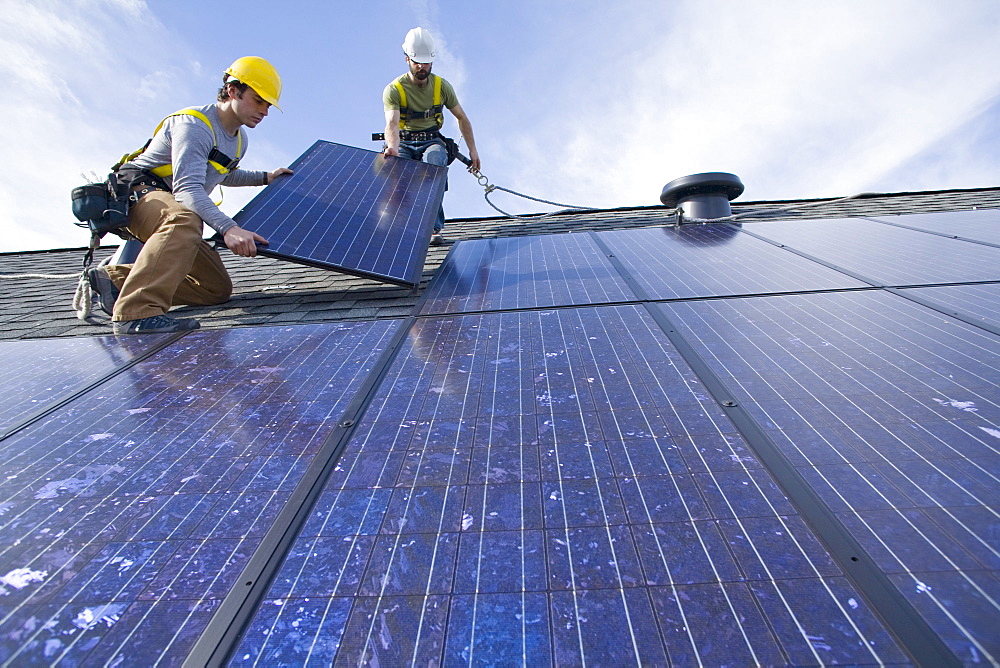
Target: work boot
(107,291)
(437,239)
(155,324)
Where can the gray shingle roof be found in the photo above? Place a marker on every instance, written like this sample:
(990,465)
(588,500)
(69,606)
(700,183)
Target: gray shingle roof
(273,292)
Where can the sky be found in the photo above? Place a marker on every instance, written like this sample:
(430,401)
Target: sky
(582,102)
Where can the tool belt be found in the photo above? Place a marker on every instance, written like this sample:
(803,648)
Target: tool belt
(428,135)
(141,181)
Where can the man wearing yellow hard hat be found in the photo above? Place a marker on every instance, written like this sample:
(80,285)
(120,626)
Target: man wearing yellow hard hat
(193,151)
(414,106)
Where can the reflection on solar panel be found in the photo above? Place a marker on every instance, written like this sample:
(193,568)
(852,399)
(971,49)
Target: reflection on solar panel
(525,272)
(891,411)
(551,487)
(35,374)
(708,260)
(350,210)
(981,225)
(128,514)
(885,254)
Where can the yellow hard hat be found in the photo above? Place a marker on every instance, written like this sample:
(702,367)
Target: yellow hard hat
(259,75)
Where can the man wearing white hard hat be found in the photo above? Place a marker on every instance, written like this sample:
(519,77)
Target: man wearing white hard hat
(414,113)
(191,152)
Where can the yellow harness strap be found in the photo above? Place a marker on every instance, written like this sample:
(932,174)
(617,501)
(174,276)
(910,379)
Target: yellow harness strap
(168,169)
(436,108)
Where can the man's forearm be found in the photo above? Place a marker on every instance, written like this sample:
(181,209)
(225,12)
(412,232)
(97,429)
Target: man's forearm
(392,136)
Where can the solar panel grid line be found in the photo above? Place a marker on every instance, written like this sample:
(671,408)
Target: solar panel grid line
(562,342)
(763,561)
(483,511)
(351,210)
(148,521)
(326,611)
(691,519)
(440,530)
(226,628)
(339,171)
(861,437)
(25,419)
(875,489)
(863,573)
(916,528)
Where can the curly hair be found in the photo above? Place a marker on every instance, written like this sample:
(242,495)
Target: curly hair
(226,81)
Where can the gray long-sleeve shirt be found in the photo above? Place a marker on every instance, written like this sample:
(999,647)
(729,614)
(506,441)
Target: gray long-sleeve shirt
(185,142)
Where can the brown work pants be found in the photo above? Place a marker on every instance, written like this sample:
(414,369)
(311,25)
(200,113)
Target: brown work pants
(176,266)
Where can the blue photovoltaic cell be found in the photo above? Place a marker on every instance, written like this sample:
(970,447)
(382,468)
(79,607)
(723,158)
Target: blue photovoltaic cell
(981,224)
(128,514)
(980,302)
(710,260)
(34,374)
(891,411)
(554,488)
(350,210)
(884,253)
(524,272)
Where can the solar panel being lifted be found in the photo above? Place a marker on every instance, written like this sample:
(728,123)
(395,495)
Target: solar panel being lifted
(350,210)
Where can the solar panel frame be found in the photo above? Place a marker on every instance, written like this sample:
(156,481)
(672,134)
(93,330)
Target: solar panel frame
(385,207)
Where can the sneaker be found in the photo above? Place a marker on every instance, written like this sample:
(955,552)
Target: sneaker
(156,324)
(107,291)
(437,239)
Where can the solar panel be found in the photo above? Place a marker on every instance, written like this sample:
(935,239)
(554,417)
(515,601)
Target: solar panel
(981,224)
(524,272)
(350,210)
(978,302)
(711,260)
(883,253)
(551,487)
(36,374)
(128,514)
(890,411)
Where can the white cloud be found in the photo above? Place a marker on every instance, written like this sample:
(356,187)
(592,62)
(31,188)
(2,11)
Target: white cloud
(798,99)
(80,94)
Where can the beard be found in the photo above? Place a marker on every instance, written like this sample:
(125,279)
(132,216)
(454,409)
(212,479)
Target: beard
(420,74)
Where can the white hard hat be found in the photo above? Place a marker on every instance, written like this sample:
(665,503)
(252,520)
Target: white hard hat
(419,46)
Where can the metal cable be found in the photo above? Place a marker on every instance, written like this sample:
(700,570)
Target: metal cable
(766,212)
(489,187)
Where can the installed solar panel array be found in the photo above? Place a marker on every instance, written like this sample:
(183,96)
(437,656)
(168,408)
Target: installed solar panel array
(708,445)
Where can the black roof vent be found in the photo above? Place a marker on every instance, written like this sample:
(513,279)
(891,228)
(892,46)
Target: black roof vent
(703,196)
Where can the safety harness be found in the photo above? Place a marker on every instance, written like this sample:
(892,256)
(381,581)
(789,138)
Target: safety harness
(436,111)
(216,158)
(103,207)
